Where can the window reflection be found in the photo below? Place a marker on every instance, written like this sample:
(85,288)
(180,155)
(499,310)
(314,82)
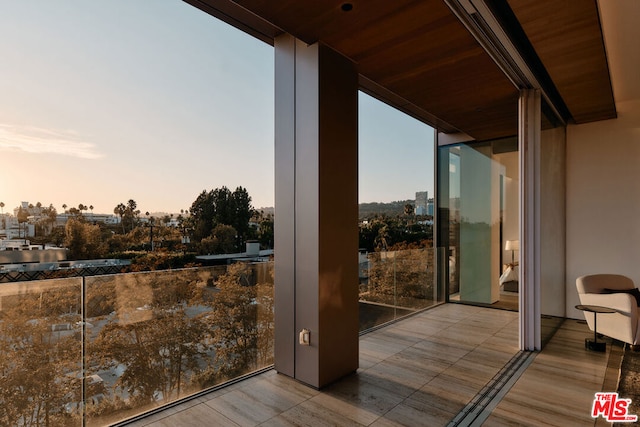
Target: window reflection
(396,173)
(479,194)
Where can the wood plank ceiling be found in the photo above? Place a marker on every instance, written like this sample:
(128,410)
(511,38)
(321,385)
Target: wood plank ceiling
(417,56)
(569,43)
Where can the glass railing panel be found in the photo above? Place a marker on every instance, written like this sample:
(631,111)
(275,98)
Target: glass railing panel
(394,284)
(41,353)
(155,337)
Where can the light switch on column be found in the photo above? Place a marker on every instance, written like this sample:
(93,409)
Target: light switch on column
(305,337)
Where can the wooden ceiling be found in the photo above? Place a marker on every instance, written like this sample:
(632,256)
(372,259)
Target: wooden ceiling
(418,57)
(569,43)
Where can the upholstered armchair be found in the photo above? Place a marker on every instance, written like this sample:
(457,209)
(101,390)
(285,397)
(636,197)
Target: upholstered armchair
(617,292)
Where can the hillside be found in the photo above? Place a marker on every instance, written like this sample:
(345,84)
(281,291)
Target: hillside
(389,209)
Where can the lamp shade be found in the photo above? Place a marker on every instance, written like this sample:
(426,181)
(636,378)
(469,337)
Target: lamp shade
(512,245)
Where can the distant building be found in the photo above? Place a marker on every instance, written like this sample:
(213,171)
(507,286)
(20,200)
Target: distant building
(30,209)
(19,251)
(15,230)
(16,245)
(61,219)
(252,254)
(422,198)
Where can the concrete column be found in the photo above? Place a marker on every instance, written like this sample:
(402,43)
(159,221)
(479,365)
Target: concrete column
(530,228)
(316,220)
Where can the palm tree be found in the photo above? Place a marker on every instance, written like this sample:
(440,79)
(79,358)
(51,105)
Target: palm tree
(64,207)
(53,215)
(120,210)
(2,208)
(132,212)
(23,217)
(382,238)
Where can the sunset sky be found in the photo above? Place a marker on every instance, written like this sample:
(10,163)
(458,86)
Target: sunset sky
(102,102)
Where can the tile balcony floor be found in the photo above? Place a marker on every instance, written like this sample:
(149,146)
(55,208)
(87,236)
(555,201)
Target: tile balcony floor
(421,371)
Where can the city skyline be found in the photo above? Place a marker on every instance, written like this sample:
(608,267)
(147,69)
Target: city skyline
(102,103)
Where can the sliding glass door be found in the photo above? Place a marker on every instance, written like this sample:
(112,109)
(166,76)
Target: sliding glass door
(478,208)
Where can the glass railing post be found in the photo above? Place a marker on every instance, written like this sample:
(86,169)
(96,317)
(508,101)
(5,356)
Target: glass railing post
(83,357)
(395,289)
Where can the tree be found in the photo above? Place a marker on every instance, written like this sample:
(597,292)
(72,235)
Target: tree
(241,325)
(265,230)
(46,221)
(36,362)
(155,353)
(52,213)
(402,276)
(83,240)
(382,232)
(382,239)
(409,209)
(222,240)
(119,210)
(160,346)
(242,212)
(221,207)
(131,213)
(202,214)
(128,215)
(23,217)
(132,207)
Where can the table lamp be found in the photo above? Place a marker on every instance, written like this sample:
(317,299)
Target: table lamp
(512,245)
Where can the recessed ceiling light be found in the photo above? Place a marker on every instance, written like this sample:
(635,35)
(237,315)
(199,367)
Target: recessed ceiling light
(346,7)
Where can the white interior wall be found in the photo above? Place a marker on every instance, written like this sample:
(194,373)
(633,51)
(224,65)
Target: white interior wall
(603,199)
(603,166)
(510,224)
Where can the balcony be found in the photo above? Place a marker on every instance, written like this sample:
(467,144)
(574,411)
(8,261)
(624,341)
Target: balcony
(149,349)
(99,350)
(445,366)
